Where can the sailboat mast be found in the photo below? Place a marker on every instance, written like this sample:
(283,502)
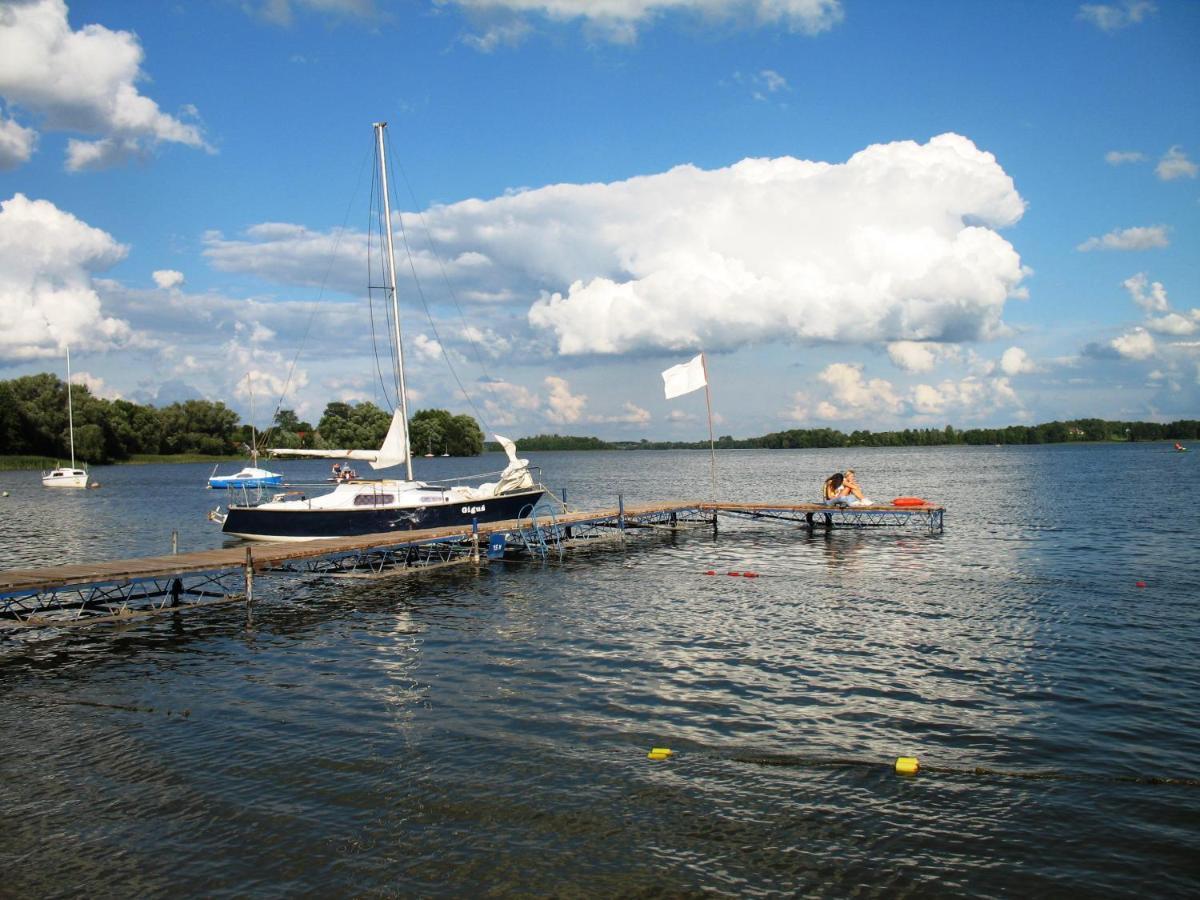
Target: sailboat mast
(70,413)
(253,433)
(391,255)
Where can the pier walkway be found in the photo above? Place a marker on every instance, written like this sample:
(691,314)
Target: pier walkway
(118,590)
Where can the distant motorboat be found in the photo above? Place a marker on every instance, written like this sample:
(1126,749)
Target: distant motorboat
(61,476)
(249,477)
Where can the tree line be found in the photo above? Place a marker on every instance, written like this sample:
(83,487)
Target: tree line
(802,438)
(34,422)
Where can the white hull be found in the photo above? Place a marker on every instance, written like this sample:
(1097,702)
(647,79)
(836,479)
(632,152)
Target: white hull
(70,478)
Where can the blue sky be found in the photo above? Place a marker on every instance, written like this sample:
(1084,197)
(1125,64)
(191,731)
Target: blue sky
(867,214)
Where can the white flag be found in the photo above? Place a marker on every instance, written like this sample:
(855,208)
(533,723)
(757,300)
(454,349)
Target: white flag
(684,378)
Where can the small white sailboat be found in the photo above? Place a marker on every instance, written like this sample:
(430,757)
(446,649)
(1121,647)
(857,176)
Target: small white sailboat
(358,507)
(64,477)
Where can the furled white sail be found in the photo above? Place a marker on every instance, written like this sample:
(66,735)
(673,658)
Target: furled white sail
(516,473)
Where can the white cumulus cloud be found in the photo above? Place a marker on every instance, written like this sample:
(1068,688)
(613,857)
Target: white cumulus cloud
(83,81)
(1136,344)
(1152,297)
(47,296)
(913,356)
(562,405)
(1141,238)
(1173,323)
(168,278)
(16,143)
(507,21)
(1016,361)
(1115,16)
(1120,157)
(898,243)
(1175,164)
(876,402)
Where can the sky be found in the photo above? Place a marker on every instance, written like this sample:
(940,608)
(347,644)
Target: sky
(866,213)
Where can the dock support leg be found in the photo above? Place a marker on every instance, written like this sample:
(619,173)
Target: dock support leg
(621,514)
(808,522)
(176,590)
(249,573)
(475,540)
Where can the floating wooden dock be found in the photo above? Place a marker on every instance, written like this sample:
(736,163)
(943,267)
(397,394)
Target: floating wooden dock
(117,590)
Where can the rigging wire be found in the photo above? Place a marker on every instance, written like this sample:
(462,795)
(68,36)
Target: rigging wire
(421,293)
(320,294)
(373,228)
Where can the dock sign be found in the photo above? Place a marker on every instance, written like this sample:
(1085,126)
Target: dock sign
(496,545)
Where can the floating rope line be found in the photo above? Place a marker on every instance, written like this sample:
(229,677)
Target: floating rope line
(831,762)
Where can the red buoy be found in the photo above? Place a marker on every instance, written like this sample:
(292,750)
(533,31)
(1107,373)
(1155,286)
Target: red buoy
(1141,584)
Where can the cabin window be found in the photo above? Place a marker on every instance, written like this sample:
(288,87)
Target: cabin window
(374,499)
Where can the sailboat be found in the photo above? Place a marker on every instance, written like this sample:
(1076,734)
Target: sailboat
(72,477)
(251,476)
(359,506)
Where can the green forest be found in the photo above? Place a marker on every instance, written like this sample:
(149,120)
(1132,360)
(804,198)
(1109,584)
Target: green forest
(797,438)
(33,424)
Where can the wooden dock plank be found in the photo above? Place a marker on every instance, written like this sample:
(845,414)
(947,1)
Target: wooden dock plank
(265,555)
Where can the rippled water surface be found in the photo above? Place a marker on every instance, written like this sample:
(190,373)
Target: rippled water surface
(484,731)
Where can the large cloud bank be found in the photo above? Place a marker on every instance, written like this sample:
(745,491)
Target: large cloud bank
(47,299)
(81,81)
(897,243)
(619,20)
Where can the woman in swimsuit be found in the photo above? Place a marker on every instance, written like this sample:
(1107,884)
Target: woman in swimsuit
(834,491)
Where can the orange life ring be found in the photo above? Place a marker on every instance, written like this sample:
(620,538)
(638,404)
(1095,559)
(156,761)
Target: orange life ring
(908,501)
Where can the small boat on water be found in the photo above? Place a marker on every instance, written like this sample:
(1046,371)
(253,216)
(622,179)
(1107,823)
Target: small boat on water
(359,506)
(61,476)
(249,477)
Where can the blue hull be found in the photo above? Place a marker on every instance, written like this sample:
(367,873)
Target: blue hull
(223,483)
(265,523)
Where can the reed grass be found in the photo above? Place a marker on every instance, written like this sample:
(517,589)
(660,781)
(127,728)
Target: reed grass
(41,463)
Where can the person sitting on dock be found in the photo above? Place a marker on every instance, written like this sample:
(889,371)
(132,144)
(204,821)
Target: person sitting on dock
(851,488)
(834,491)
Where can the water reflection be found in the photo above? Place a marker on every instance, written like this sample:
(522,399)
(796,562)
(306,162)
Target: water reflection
(403,735)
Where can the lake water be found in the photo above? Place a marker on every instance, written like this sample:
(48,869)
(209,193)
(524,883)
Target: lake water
(468,732)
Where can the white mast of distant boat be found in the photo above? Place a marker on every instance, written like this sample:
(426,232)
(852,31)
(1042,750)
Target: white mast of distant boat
(72,477)
(70,409)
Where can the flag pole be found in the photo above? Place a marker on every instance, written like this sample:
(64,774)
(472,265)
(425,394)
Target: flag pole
(712,452)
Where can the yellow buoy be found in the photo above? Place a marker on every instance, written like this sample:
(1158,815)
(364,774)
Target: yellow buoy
(907,765)
(658,753)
